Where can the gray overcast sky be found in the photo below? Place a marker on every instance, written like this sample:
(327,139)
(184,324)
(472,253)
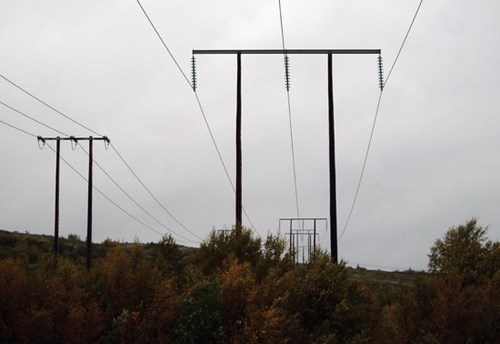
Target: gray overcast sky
(434,161)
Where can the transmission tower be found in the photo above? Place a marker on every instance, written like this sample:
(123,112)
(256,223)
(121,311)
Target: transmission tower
(331,122)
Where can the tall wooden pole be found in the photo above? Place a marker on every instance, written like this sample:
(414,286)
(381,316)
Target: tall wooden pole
(239,205)
(89,207)
(56,215)
(333,189)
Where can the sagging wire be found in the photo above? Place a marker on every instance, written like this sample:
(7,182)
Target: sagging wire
(197,99)
(376,115)
(287,84)
(202,110)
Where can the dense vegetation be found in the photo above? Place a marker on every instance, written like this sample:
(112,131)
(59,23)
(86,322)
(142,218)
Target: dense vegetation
(238,289)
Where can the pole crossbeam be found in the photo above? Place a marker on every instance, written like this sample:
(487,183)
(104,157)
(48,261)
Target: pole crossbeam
(73,138)
(287,51)
(331,121)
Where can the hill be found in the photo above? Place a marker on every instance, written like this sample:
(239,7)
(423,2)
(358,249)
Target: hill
(30,247)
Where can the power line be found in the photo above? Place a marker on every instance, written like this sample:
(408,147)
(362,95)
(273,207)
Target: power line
(214,142)
(100,167)
(375,120)
(164,44)
(402,44)
(16,128)
(281,25)
(289,111)
(47,105)
(199,104)
(133,200)
(85,127)
(220,157)
(97,189)
(363,168)
(108,198)
(150,193)
(32,119)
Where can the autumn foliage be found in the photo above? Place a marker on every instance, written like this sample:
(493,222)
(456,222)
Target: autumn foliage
(237,288)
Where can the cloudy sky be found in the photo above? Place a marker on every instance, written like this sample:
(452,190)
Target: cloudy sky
(434,160)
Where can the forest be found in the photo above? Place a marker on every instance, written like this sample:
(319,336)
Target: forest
(237,288)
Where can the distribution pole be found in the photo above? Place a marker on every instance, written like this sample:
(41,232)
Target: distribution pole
(286,52)
(239,188)
(56,215)
(89,206)
(333,192)
(90,189)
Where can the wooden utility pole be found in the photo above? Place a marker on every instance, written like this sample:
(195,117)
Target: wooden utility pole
(239,187)
(286,52)
(56,215)
(89,204)
(90,189)
(333,178)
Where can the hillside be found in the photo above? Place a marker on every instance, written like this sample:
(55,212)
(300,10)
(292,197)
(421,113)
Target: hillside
(236,288)
(29,247)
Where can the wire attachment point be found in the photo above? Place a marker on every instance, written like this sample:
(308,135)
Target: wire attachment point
(107,142)
(193,73)
(73,139)
(380,73)
(42,140)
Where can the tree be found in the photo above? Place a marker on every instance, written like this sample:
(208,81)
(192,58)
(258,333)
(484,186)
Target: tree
(60,310)
(274,256)
(465,252)
(202,316)
(330,307)
(124,279)
(222,246)
(169,259)
(465,289)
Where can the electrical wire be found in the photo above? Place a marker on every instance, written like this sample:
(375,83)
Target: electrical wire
(220,158)
(364,166)
(89,129)
(47,105)
(289,114)
(134,201)
(375,120)
(151,194)
(108,198)
(99,166)
(76,171)
(200,106)
(403,44)
(164,44)
(19,129)
(31,118)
